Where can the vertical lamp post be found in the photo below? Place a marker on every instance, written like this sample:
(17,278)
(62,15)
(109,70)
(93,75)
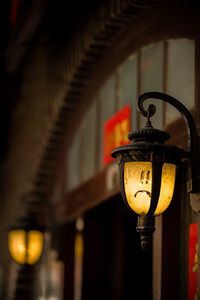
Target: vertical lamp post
(25,243)
(148,166)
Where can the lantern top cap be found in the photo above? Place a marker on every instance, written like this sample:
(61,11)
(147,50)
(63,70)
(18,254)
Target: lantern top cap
(150,139)
(150,134)
(26,223)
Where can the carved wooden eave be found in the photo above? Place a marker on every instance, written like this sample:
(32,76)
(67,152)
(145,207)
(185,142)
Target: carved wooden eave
(82,57)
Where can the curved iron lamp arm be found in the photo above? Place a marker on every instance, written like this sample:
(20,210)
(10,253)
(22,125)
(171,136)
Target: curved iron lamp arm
(191,126)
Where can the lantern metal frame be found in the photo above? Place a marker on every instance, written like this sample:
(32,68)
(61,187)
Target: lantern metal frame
(148,145)
(194,151)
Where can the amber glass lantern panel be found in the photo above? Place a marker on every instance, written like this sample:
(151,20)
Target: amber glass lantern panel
(138,185)
(25,247)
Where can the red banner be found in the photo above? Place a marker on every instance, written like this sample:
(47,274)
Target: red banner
(193,262)
(116,130)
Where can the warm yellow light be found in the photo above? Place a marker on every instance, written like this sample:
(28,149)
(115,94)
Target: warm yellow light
(137,185)
(167,188)
(25,247)
(79,245)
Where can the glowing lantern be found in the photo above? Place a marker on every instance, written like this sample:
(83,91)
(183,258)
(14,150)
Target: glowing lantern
(148,166)
(25,241)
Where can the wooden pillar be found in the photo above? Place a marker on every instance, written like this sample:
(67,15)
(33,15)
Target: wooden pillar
(195,204)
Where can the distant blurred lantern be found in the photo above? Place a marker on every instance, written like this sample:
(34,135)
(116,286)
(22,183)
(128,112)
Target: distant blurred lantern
(26,239)
(148,167)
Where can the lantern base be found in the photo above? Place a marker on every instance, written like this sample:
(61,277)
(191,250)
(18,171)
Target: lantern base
(145,227)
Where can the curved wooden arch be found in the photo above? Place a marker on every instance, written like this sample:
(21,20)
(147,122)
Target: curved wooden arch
(112,24)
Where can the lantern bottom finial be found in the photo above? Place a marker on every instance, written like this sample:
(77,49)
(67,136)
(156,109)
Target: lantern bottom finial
(145,227)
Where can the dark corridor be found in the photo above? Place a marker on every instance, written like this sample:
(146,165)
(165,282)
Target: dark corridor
(114,266)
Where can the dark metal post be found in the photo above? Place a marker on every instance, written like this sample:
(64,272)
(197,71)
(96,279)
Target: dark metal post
(33,219)
(24,289)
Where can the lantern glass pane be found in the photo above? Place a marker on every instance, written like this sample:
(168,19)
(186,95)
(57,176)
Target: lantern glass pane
(17,245)
(138,183)
(167,188)
(35,246)
(25,247)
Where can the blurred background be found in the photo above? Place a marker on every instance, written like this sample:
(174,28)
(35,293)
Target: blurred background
(71,72)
